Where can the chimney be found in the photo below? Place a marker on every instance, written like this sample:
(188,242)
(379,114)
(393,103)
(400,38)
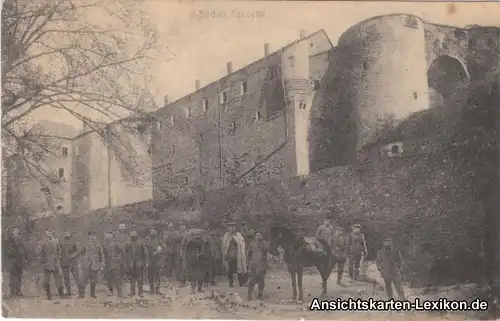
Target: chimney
(266,49)
(197,84)
(165,100)
(229,67)
(303,33)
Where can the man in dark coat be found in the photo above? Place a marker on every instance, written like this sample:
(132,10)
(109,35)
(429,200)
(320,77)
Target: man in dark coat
(51,258)
(180,261)
(169,240)
(257,264)
(121,239)
(357,250)
(113,264)
(92,259)
(69,264)
(16,255)
(136,259)
(389,263)
(340,251)
(156,249)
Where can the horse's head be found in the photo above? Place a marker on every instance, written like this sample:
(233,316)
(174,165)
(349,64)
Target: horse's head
(281,236)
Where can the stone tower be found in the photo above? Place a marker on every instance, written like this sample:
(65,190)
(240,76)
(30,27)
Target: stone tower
(298,90)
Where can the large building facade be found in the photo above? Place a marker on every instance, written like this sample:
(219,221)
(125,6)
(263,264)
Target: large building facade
(305,107)
(312,105)
(101,167)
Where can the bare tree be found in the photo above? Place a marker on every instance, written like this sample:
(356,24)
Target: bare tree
(80,56)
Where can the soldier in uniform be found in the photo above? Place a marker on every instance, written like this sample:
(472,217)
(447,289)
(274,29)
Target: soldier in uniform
(156,249)
(233,251)
(16,258)
(169,240)
(69,264)
(325,232)
(113,264)
(340,251)
(121,239)
(92,258)
(258,265)
(357,250)
(181,263)
(389,263)
(51,258)
(136,259)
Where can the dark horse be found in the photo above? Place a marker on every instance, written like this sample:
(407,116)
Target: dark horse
(301,252)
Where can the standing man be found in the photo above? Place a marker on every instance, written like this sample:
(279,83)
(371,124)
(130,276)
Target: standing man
(389,262)
(234,253)
(325,232)
(258,265)
(51,258)
(340,251)
(17,259)
(357,250)
(136,259)
(156,249)
(169,240)
(217,255)
(121,240)
(113,269)
(92,258)
(69,264)
(181,262)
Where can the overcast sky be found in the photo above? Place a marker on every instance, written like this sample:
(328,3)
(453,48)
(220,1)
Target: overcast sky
(201,45)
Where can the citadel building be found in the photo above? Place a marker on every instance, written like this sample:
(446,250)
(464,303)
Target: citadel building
(312,105)
(303,108)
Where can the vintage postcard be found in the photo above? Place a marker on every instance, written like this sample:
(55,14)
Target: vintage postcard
(250,159)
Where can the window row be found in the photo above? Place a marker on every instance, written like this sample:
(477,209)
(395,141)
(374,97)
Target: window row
(258,116)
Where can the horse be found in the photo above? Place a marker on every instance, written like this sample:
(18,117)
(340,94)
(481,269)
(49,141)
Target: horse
(197,252)
(301,252)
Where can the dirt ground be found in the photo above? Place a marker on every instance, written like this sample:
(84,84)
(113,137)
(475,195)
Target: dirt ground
(217,302)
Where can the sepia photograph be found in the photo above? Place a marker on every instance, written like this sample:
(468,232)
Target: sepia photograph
(293,160)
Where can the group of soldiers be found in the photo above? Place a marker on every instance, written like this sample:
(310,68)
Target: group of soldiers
(124,255)
(351,248)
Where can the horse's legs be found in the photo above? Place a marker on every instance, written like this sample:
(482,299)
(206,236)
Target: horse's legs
(294,284)
(300,273)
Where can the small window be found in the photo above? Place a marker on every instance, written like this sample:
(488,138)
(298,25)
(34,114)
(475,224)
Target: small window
(365,65)
(272,73)
(415,95)
(201,136)
(233,125)
(172,119)
(64,151)
(258,116)
(61,172)
(244,88)
(291,61)
(317,85)
(223,97)
(491,43)
(60,207)
(205,104)
(188,112)
(158,125)
(302,104)
(472,42)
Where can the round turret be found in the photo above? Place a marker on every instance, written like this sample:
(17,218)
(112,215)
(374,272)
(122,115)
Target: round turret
(384,74)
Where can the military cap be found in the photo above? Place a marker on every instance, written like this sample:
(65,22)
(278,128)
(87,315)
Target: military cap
(232,223)
(387,238)
(66,233)
(121,226)
(152,231)
(357,225)
(339,227)
(91,233)
(133,233)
